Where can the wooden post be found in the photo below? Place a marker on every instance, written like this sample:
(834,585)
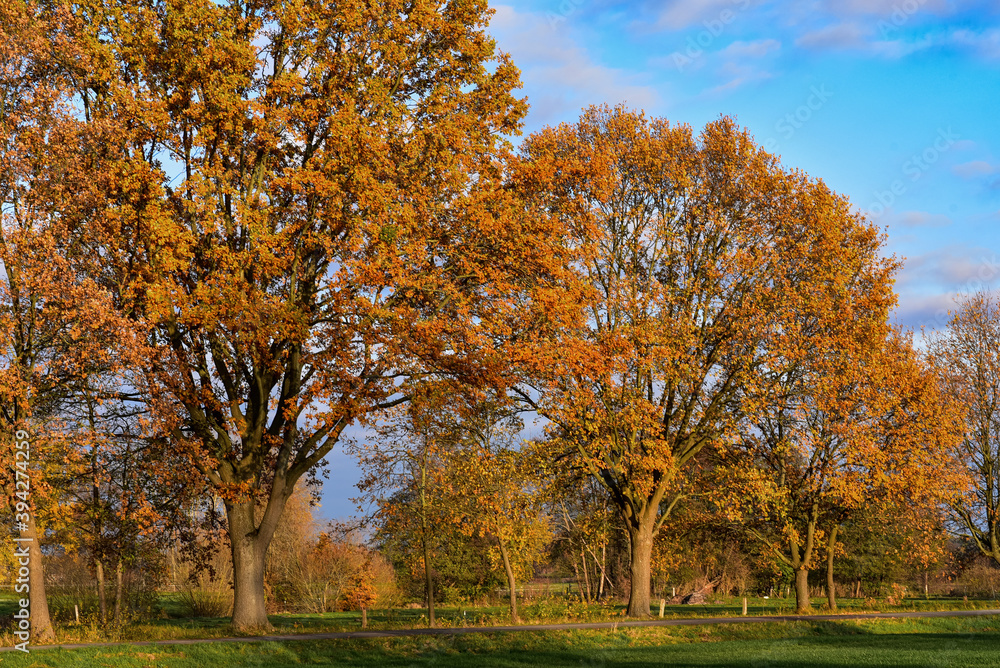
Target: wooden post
(663,604)
(744,606)
(364,618)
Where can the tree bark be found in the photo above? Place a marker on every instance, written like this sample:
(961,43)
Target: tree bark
(641,540)
(586,575)
(102,598)
(118,590)
(510,581)
(802,601)
(604,563)
(249,547)
(41,622)
(831,589)
(428,584)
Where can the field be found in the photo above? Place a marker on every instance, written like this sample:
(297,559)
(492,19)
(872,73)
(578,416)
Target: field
(911,642)
(171,624)
(921,642)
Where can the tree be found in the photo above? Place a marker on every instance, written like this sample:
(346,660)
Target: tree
(967,355)
(301,205)
(55,328)
(698,254)
(404,474)
(871,430)
(497,484)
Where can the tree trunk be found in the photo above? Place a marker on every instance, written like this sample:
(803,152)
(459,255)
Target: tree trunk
(102,598)
(641,540)
(118,591)
(428,584)
(510,581)
(802,602)
(604,564)
(249,546)
(41,623)
(586,575)
(831,590)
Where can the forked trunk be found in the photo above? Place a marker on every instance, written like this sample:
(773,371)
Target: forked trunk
(802,602)
(641,539)
(249,546)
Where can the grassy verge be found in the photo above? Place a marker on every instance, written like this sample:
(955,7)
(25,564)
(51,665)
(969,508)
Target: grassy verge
(913,642)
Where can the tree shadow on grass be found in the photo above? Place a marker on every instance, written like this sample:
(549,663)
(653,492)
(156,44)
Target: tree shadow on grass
(837,650)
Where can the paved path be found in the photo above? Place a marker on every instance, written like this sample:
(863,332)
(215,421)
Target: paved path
(694,621)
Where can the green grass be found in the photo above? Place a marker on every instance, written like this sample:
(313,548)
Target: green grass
(918,642)
(552,610)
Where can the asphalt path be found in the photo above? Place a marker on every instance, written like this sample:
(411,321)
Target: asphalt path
(452,631)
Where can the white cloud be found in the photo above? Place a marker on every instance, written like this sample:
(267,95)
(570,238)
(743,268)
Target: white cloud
(985,44)
(560,75)
(836,36)
(886,8)
(974,169)
(928,283)
(918,219)
(755,49)
(681,14)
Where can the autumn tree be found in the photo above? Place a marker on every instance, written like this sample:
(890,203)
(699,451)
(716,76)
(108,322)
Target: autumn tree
(697,252)
(404,476)
(56,326)
(967,354)
(589,528)
(128,496)
(496,485)
(848,433)
(301,205)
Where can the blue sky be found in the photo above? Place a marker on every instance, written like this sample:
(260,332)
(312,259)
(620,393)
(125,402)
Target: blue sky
(893,103)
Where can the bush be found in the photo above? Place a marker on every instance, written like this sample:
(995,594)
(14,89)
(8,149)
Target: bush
(206,602)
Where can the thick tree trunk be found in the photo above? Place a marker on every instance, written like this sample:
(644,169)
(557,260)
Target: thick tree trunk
(641,539)
(102,598)
(249,547)
(511,582)
(802,602)
(831,588)
(118,590)
(41,623)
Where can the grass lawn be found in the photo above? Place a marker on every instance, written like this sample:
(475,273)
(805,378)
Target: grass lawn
(550,610)
(919,642)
